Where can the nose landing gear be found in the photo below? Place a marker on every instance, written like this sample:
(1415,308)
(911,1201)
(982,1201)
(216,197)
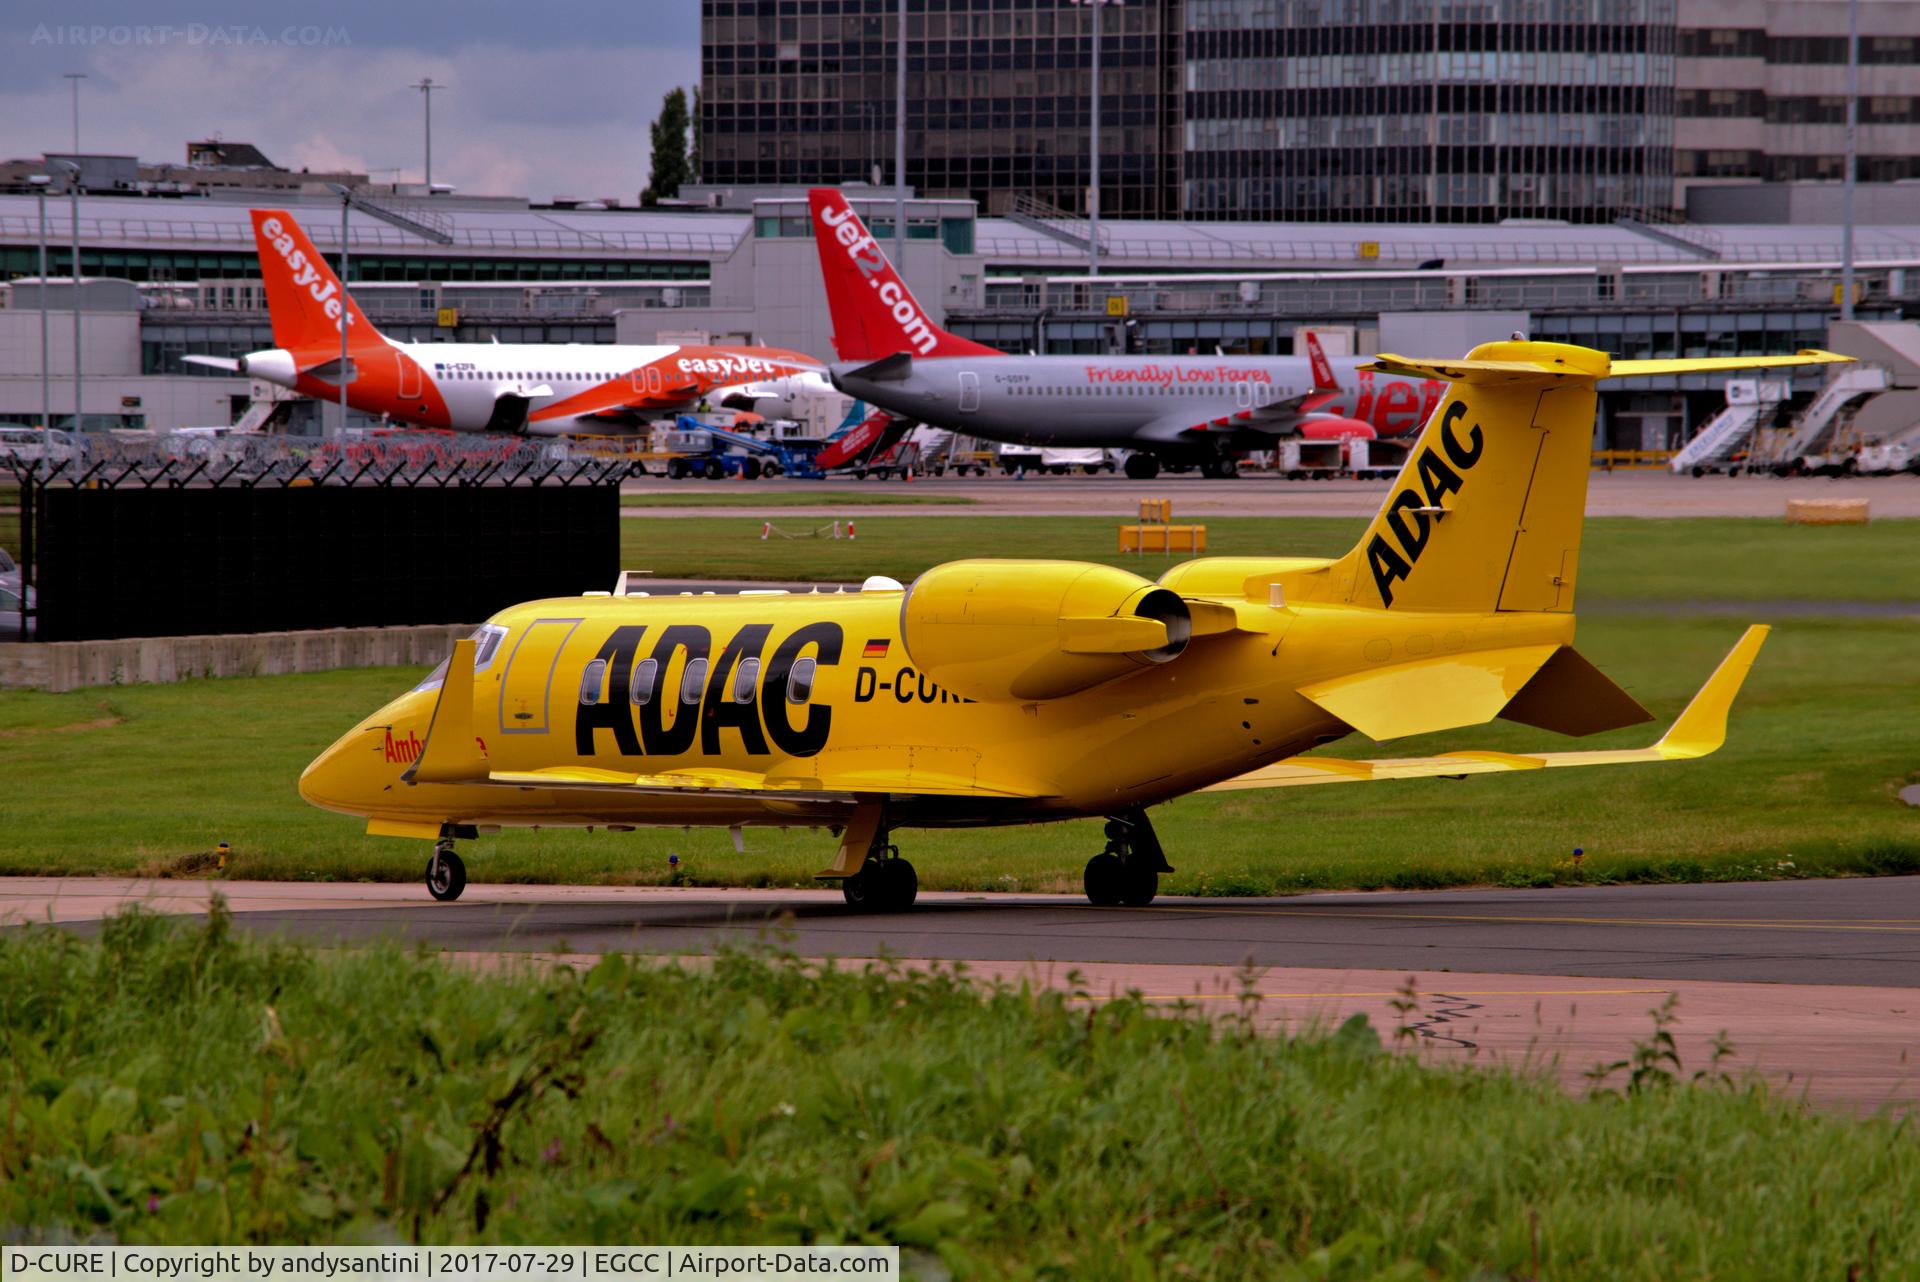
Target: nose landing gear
(446,874)
(1127,873)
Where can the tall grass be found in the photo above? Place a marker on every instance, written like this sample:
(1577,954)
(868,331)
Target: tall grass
(185,1084)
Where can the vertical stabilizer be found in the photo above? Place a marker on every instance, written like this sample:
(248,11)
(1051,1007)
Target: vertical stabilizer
(304,298)
(874,313)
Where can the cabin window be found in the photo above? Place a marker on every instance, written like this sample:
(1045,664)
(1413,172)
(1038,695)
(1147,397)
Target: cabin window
(591,680)
(640,684)
(800,681)
(745,680)
(694,681)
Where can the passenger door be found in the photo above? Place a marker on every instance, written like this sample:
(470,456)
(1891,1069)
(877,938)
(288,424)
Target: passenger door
(969,391)
(526,687)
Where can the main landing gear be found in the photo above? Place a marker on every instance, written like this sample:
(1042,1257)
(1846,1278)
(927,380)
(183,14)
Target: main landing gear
(1142,467)
(886,883)
(1127,872)
(446,874)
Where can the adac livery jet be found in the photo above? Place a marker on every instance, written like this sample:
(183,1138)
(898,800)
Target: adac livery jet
(538,388)
(1185,409)
(1021,691)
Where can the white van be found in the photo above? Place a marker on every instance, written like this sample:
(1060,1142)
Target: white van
(25,446)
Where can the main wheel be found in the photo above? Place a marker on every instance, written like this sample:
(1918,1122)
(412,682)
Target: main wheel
(882,886)
(446,875)
(901,883)
(715,469)
(1142,467)
(1138,883)
(676,469)
(1104,880)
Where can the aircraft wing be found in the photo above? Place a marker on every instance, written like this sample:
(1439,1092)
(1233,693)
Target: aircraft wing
(1278,417)
(618,399)
(1698,731)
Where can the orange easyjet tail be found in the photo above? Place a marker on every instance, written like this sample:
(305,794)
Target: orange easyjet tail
(304,298)
(874,313)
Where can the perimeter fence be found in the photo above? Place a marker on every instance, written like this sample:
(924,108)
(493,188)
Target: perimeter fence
(177,536)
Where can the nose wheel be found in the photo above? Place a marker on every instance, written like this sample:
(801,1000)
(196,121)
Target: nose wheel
(446,874)
(1127,873)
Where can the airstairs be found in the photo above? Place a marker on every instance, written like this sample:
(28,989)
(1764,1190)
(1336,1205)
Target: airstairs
(1724,433)
(1824,421)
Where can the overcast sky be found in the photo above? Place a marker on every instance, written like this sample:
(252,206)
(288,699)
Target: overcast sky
(544,99)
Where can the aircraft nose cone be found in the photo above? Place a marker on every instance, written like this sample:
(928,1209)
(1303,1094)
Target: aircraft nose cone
(330,781)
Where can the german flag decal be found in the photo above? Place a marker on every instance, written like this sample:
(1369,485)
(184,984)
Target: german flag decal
(876,649)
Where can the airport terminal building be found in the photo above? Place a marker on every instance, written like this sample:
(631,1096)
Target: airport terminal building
(168,276)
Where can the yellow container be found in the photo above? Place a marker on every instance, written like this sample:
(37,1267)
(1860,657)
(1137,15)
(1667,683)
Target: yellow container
(1163,538)
(1160,510)
(1826,511)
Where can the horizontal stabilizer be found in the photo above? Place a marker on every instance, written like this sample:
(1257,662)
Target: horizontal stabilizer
(1522,362)
(228,363)
(1568,695)
(1698,731)
(888,369)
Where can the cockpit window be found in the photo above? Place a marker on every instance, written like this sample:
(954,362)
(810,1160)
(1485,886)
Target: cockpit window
(486,638)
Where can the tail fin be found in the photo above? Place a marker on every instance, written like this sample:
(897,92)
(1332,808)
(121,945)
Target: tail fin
(1323,380)
(304,298)
(874,313)
(1487,512)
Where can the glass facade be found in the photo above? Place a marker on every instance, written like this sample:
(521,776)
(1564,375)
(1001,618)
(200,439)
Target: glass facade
(1414,110)
(802,91)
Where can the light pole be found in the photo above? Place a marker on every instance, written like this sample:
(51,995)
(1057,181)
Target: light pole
(900,143)
(346,204)
(1846,191)
(39,183)
(73,197)
(426,88)
(1093,131)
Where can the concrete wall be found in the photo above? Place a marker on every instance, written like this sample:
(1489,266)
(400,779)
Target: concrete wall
(71,665)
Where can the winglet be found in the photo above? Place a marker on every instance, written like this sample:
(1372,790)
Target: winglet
(1702,728)
(452,754)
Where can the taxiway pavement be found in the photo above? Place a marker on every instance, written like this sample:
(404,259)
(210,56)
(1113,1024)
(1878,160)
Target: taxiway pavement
(1815,984)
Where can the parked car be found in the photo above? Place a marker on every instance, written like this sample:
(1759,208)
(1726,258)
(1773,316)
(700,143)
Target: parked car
(10,613)
(28,446)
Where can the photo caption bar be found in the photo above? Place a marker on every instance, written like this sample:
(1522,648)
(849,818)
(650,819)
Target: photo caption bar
(451,1263)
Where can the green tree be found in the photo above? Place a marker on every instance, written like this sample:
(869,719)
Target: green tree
(670,167)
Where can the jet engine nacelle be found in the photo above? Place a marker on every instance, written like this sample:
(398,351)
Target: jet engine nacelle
(1333,428)
(1027,630)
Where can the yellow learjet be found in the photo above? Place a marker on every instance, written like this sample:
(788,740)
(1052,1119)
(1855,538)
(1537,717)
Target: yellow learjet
(1020,691)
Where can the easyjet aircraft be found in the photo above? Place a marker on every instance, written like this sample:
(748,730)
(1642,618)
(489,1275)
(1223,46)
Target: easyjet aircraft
(995,692)
(1181,409)
(542,389)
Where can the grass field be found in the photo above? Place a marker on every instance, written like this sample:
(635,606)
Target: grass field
(150,778)
(704,494)
(175,1084)
(1623,558)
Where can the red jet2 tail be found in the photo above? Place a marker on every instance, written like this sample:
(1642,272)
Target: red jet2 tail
(304,298)
(874,313)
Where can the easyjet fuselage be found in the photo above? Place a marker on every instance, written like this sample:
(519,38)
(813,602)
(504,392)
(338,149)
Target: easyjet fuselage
(1164,404)
(540,701)
(540,389)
